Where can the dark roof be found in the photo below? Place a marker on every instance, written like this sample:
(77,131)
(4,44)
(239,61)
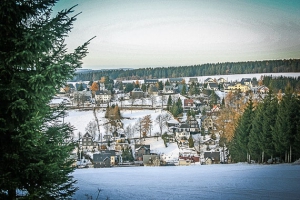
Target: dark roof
(137,90)
(83,85)
(175,79)
(136,146)
(245,80)
(87,135)
(103,92)
(213,85)
(208,79)
(194,79)
(150,81)
(214,155)
(101,157)
(184,126)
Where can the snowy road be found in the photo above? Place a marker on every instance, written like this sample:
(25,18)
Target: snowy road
(232,181)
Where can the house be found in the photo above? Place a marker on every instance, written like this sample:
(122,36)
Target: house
(140,151)
(168,89)
(88,143)
(212,157)
(153,90)
(151,160)
(209,142)
(221,80)
(183,127)
(215,109)
(182,136)
(189,159)
(103,96)
(262,89)
(191,80)
(120,144)
(237,87)
(137,93)
(207,123)
(151,81)
(209,80)
(188,103)
(172,123)
(212,86)
(175,80)
(105,158)
(246,81)
(183,162)
(194,126)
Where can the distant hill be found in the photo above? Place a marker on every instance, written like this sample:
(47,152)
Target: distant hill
(226,68)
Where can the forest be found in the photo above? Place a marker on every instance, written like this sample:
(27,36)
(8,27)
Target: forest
(268,129)
(226,68)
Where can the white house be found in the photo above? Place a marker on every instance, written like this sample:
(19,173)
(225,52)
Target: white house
(103,96)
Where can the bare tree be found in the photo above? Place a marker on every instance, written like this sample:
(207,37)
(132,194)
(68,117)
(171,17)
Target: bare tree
(77,98)
(138,127)
(161,120)
(198,141)
(146,125)
(153,100)
(129,131)
(143,101)
(163,100)
(91,128)
(132,101)
(106,128)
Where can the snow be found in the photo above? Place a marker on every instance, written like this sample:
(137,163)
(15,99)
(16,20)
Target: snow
(231,181)
(79,119)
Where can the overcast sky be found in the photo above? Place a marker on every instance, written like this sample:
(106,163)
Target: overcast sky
(154,33)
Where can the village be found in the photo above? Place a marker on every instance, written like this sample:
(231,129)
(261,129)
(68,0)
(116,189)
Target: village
(130,123)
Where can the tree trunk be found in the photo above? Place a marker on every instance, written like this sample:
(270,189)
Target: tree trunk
(285,157)
(12,194)
(290,153)
(262,157)
(223,154)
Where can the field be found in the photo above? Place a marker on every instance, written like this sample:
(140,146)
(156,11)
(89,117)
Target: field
(231,181)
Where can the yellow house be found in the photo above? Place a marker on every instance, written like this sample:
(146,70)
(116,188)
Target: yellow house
(236,87)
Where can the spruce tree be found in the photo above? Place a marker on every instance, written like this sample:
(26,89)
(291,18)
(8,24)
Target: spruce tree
(191,142)
(256,133)
(35,146)
(169,104)
(287,125)
(269,114)
(240,141)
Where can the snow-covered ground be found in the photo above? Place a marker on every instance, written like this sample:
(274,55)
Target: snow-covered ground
(79,119)
(232,181)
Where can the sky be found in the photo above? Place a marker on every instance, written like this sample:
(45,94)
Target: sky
(162,33)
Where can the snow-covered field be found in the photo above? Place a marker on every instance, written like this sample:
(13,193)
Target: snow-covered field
(232,181)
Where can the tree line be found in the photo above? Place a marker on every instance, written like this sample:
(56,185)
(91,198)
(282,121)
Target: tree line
(249,67)
(279,83)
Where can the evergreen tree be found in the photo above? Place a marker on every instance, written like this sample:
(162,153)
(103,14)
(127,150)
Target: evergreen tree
(240,148)
(80,87)
(191,142)
(183,91)
(256,133)
(35,147)
(160,85)
(286,126)
(144,87)
(169,104)
(269,114)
